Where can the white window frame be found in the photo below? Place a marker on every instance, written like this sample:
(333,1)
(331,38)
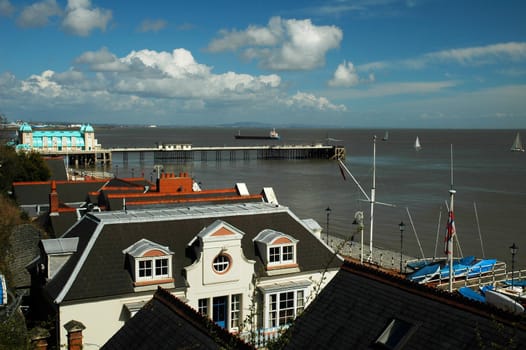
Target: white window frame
(235,311)
(274,310)
(224,264)
(153,268)
(203,306)
(281,255)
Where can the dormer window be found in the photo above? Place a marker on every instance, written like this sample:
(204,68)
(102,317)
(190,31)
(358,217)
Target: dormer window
(278,250)
(150,263)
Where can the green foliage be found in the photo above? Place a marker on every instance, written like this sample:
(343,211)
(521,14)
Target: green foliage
(13,333)
(20,166)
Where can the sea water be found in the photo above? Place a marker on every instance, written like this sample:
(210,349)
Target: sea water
(489,179)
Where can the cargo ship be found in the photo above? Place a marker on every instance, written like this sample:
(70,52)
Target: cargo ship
(273,135)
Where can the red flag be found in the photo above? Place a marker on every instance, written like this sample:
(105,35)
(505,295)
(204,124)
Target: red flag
(341,171)
(450,231)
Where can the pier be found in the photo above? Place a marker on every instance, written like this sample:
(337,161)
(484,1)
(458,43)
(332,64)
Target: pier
(185,152)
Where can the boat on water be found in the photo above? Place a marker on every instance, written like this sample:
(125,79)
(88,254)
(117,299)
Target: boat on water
(386,136)
(273,135)
(417,145)
(517,144)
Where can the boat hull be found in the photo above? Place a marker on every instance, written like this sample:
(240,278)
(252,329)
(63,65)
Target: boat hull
(248,137)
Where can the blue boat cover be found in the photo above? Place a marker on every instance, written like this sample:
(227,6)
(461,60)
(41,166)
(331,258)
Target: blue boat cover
(471,294)
(481,267)
(517,282)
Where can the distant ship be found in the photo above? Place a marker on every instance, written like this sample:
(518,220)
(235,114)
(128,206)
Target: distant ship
(273,135)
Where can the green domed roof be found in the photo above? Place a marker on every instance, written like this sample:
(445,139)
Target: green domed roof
(25,128)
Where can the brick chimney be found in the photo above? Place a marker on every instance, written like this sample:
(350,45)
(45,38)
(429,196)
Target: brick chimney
(53,198)
(169,183)
(74,329)
(39,338)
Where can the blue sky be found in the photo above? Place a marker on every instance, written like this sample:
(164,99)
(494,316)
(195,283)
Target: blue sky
(365,63)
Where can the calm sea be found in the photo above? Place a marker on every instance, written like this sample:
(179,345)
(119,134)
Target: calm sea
(490,202)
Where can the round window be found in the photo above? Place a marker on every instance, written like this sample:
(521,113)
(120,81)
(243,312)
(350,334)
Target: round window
(221,263)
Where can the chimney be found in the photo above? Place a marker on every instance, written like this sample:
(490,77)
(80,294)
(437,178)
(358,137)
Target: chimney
(74,329)
(39,338)
(169,183)
(53,199)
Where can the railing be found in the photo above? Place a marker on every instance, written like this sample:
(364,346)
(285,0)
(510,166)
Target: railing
(259,338)
(497,274)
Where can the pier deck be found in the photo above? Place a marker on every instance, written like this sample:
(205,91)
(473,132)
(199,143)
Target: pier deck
(186,152)
(178,152)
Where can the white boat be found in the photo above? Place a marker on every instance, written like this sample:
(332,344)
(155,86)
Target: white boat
(386,136)
(418,147)
(517,144)
(515,292)
(503,302)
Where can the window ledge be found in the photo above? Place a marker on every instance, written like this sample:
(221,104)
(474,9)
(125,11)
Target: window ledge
(281,266)
(153,282)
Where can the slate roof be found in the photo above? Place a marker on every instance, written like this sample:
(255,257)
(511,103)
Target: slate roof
(32,193)
(57,168)
(103,237)
(358,304)
(167,323)
(21,250)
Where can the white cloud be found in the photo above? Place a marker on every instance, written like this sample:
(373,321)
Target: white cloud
(81,18)
(42,84)
(158,84)
(150,25)
(345,76)
(38,14)
(476,56)
(283,44)
(101,61)
(6,9)
(309,101)
(514,51)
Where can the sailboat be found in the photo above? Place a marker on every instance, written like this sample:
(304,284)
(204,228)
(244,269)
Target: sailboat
(517,144)
(418,147)
(386,136)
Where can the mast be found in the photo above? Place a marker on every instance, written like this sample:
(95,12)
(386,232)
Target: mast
(372,199)
(450,241)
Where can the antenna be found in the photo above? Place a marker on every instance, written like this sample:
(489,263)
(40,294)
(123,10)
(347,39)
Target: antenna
(371,199)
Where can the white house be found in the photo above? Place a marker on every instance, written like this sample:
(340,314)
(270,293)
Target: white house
(248,265)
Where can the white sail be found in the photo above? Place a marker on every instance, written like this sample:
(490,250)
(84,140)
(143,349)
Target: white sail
(418,147)
(386,136)
(517,144)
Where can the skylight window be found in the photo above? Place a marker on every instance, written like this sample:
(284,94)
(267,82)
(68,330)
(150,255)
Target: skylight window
(395,334)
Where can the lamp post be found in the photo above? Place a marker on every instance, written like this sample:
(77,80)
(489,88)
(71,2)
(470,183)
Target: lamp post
(513,250)
(402,226)
(358,220)
(328,210)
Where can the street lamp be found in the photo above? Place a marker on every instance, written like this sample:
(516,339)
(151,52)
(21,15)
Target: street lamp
(402,226)
(328,210)
(358,220)
(513,250)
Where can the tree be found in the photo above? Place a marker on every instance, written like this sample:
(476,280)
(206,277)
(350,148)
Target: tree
(20,166)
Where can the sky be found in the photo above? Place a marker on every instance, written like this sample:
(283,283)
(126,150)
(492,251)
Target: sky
(332,63)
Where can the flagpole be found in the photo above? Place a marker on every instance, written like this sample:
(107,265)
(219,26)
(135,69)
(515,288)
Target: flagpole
(372,199)
(450,240)
(451,229)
